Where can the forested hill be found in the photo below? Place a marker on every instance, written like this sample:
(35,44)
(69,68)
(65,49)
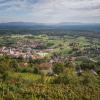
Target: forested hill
(38,26)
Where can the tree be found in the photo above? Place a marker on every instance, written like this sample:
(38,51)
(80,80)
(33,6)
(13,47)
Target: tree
(58,67)
(14,64)
(67,77)
(2,69)
(35,70)
(87,65)
(88,78)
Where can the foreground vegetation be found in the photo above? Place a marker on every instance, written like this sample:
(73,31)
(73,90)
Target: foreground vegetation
(48,92)
(21,84)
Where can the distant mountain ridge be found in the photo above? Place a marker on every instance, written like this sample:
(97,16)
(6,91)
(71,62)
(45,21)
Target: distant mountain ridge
(36,26)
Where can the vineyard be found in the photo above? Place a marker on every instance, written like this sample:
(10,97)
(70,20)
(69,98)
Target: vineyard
(66,86)
(48,92)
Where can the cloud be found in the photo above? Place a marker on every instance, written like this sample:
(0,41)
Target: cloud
(50,11)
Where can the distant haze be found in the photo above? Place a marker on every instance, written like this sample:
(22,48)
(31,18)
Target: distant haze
(39,26)
(50,11)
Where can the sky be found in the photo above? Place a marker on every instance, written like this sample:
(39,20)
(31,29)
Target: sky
(50,11)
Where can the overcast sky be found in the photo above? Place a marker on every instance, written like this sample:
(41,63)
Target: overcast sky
(50,11)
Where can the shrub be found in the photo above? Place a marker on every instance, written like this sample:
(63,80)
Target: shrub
(58,67)
(67,77)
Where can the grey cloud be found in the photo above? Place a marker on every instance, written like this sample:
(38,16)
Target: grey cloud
(16,2)
(51,10)
(95,7)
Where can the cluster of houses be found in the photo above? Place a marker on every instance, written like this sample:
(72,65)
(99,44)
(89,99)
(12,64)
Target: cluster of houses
(27,43)
(87,50)
(27,49)
(25,54)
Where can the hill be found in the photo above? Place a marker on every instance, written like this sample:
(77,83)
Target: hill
(38,26)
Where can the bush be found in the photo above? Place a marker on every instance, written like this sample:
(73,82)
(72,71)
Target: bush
(67,77)
(88,78)
(26,69)
(2,69)
(58,67)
